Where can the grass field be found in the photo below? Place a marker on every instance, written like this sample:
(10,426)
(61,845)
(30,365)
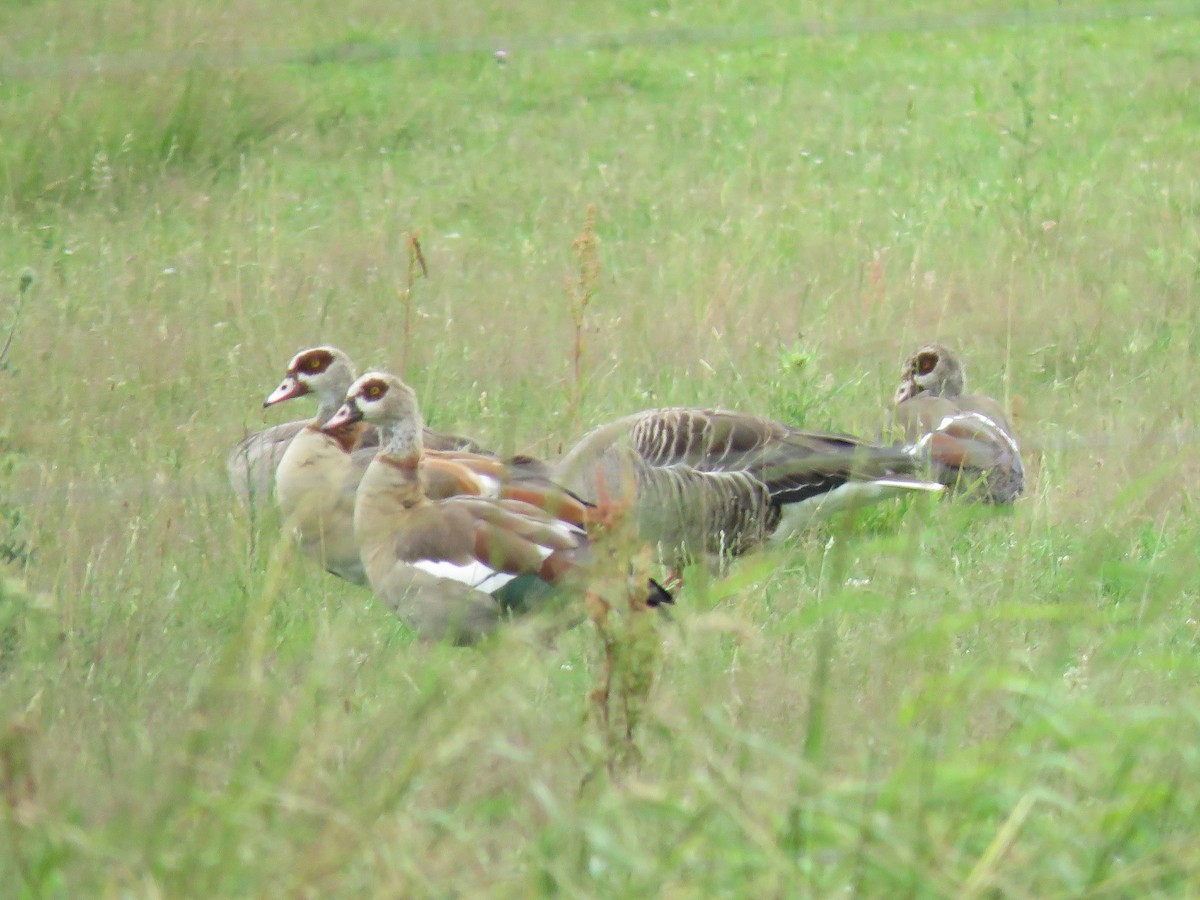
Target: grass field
(925,700)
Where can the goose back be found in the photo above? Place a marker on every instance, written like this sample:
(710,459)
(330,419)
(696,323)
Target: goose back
(719,482)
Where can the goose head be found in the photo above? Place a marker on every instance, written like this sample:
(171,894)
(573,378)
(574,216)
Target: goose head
(324,372)
(935,370)
(390,405)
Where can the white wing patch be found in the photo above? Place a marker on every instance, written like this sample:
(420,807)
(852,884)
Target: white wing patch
(477,575)
(851,495)
(985,430)
(488,485)
(989,426)
(906,484)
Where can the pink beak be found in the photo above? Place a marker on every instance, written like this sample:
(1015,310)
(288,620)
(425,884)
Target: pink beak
(906,391)
(290,388)
(347,413)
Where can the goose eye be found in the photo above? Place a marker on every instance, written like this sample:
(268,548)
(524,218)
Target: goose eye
(374,391)
(926,363)
(314,365)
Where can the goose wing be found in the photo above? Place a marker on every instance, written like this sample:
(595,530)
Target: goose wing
(473,539)
(965,439)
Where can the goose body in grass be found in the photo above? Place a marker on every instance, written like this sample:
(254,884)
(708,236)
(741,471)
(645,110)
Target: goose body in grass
(453,568)
(966,440)
(251,465)
(318,473)
(717,482)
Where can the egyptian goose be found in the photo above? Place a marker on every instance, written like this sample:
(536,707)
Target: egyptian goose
(452,568)
(967,440)
(720,483)
(317,476)
(319,471)
(252,464)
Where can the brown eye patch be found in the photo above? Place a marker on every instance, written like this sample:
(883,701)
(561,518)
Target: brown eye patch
(318,360)
(373,390)
(314,362)
(926,363)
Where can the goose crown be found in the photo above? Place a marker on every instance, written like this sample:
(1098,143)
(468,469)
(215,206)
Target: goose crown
(935,370)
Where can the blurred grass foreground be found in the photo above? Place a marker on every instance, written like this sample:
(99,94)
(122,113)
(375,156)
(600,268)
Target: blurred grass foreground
(931,699)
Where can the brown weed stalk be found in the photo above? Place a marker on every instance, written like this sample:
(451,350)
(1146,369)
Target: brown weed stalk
(627,629)
(581,288)
(416,268)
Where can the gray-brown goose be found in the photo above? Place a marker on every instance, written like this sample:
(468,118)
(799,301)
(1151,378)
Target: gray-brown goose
(966,439)
(454,568)
(720,483)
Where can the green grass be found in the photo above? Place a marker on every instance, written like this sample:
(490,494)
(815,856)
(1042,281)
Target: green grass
(925,700)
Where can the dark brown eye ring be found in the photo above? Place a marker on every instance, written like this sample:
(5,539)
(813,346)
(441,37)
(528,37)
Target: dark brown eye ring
(926,363)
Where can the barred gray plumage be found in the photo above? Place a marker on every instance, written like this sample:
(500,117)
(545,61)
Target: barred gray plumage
(717,482)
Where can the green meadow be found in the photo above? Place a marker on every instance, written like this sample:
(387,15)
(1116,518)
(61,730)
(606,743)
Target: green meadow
(926,699)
